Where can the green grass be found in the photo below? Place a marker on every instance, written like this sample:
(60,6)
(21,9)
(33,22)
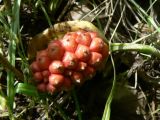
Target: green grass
(14,30)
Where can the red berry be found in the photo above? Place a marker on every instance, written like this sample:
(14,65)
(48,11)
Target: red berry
(38,76)
(67,85)
(68,72)
(82,52)
(93,34)
(96,59)
(43,60)
(55,50)
(45,80)
(70,60)
(56,67)
(80,32)
(35,67)
(89,72)
(84,39)
(77,77)
(56,80)
(69,43)
(45,74)
(50,88)
(105,51)
(41,87)
(42,53)
(97,45)
(81,66)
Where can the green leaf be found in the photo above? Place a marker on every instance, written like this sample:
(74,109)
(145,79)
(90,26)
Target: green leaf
(26,89)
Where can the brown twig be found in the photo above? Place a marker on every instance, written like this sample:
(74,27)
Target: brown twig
(8,66)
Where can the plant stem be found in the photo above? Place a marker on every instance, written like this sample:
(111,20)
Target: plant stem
(146,49)
(8,66)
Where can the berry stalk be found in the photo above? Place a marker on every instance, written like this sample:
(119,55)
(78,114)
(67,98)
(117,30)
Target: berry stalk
(146,49)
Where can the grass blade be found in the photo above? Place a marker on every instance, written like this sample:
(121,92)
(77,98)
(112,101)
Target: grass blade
(107,110)
(11,57)
(62,112)
(45,13)
(27,89)
(77,104)
(149,18)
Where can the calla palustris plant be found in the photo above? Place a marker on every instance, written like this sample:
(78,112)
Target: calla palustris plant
(69,53)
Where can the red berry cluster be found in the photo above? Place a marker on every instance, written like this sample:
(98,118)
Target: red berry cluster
(67,61)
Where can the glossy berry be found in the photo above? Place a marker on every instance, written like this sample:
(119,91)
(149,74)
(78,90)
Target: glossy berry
(35,67)
(56,80)
(55,50)
(43,60)
(70,60)
(68,72)
(67,85)
(84,39)
(50,88)
(38,76)
(42,53)
(56,67)
(45,74)
(82,53)
(89,72)
(95,59)
(105,52)
(97,45)
(93,34)
(77,77)
(81,66)
(41,87)
(69,43)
